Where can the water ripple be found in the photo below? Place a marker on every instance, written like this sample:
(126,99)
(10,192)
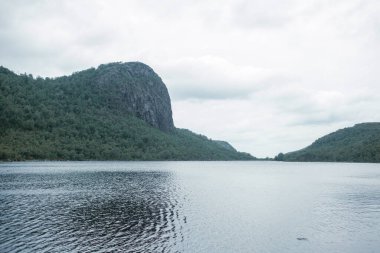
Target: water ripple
(89,212)
(189,207)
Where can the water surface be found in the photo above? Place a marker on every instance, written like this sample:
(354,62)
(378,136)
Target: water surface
(189,207)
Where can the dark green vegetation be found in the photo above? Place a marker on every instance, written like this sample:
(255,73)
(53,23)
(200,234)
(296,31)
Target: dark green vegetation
(360,143)
(119,111)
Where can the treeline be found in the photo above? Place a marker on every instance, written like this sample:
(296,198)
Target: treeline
(360,143)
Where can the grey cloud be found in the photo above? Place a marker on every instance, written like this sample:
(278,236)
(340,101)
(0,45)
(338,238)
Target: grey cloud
(319,119)
(208,94)
(262,14)
(211,77)
(274,74)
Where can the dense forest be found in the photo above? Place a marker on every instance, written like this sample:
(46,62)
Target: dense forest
(70,118)
(360,143)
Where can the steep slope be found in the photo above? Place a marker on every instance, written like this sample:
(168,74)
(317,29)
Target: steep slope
(360,143)
(135,87)
(118,111)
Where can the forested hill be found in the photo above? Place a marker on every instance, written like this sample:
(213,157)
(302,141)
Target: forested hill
(118,111)
(360,143)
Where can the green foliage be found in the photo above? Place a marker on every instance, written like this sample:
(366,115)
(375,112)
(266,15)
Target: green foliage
(360,143)
(279,157)
(68,118)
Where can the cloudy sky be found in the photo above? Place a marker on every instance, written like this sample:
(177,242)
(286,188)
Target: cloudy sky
(267,76)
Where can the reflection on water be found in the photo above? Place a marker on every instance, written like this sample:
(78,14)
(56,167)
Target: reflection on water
(92,211)
(189,207)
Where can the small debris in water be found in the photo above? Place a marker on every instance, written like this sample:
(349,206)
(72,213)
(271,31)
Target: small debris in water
(302,239)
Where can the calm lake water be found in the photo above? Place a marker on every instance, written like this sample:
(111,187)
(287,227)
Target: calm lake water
(189,207)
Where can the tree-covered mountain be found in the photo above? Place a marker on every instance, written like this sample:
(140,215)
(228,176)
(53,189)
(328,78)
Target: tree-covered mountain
(118,111)
(360,143)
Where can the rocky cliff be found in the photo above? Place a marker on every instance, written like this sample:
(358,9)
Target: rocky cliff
(141,92)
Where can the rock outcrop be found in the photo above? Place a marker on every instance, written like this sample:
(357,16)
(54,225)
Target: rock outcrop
(141,92)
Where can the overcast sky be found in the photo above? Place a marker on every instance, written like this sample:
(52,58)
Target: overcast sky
(268,76)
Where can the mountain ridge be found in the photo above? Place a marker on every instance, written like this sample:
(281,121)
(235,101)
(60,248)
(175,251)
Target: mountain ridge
(359,143)
(117,111)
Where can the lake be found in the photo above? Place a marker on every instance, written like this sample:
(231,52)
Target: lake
(189,207)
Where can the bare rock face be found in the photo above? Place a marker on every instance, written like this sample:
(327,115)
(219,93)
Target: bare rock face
(139,90)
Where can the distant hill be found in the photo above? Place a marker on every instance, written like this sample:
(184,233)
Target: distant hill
(360,143)
(118,111)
